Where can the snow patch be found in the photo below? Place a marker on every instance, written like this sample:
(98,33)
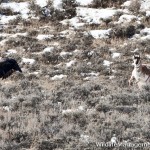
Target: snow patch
(90,74)
(115,55)
(80,109)
(148,56)
(70,63)
(11,51)
(5,19)
(126,4)
(73,22)
(111,77)
(19,34)
(28,61)
(85,138)
(107,63)
(145,31)
(102,34)
(147,37)
(58,77)
(63,54)
(84,2)
(48,49)
(148,13)
(145,5)
(67,33)
(6,108)
(57,4)
(91,15)
(44,37)
(21,7)
(41,3)
(126,18)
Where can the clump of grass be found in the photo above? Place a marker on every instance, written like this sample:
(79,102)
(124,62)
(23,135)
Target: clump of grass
(124,32)
(35,8)
(135,6)
(51,57)
(15,21)
(49,13)
(33,33)
(7,11)
(106,3)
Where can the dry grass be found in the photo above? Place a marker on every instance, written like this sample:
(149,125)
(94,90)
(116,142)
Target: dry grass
(135,6)
(106,3)
(81,109)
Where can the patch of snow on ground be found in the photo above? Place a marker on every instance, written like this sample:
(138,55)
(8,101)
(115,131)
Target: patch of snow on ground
(57,4)
(11,51)
(126,4)
(19,34)
(3,42)
(41,3)
(44,37)
(148,13)
(115,55)
(85,138)
(91,15)
(4,34)
(13,35)
(58,77)
(145,31)
(5,19)
(76,51)
(73,110)
(145,5)
(90,74)
(70,63)
(21,7)
(35,73)
(84,2)
(148,56)
(126,18)
(144,35)
(6,108)
(28,61)
(48,49)
(111,77)
(147,37)
(67,33)
(107,63)
(100,33)
(74,22)
(63,54)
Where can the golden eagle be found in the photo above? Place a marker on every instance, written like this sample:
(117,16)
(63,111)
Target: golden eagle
(7,67)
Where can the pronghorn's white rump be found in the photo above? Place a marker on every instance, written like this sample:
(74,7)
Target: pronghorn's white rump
(141,73)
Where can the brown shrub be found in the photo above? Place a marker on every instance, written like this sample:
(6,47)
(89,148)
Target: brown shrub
(8,12)
(135,6)
(124,32)
(106,3)
(15,21)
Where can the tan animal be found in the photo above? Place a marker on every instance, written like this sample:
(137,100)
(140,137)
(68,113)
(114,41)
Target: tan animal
(140,72)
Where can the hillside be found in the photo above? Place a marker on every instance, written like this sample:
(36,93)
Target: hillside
(76,57)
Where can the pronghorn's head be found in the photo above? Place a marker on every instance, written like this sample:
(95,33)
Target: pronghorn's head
(136,59)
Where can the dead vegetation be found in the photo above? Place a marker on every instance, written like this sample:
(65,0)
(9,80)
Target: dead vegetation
(90,104)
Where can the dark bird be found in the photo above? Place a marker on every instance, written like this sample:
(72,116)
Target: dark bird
(7,67)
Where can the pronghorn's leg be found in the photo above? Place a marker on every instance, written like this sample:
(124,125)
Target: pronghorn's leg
(131,78)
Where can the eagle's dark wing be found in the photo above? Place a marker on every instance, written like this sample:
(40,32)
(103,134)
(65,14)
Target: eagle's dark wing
(7,74)
(7,67)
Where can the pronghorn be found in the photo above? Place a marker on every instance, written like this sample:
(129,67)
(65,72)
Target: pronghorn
(140,72)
